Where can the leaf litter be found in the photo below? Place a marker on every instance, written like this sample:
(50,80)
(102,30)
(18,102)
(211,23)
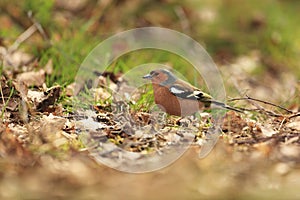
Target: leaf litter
(131,130)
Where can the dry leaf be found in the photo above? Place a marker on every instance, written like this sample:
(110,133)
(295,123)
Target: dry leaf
(50,97)
(35,96)
(49,67)
(41,100)
(21,88)
(267,131)
(32,78)
(54,122)
(70,89)
(294,125)
(15,59)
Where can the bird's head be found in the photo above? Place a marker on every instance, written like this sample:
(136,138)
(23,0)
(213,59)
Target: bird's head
(161,76)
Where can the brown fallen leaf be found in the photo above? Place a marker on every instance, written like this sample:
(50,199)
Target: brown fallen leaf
(32,78)
(50,127)
(49,67)
(268,131)
(73,89)
(294,125)
(16,58)
(21,88)
(70,89)
(42,100)
(11,148)
(51,96)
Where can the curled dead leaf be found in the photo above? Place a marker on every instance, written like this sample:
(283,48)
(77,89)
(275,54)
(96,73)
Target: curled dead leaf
(50,97)
(41,100)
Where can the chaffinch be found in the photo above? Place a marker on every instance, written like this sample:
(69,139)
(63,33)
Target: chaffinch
(177,97)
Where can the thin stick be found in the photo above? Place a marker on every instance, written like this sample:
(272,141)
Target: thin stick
(38,27)
(295,115)
(5,103)
(24,36)
(2,96)
(259,108)
(281,124)
(261,101)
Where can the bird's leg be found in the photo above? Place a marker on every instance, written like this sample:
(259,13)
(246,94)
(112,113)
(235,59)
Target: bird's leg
(177,121)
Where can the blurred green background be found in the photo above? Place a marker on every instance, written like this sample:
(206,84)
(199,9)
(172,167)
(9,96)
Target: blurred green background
(226,28)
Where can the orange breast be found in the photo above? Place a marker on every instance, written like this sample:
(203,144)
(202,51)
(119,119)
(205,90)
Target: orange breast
(174,105)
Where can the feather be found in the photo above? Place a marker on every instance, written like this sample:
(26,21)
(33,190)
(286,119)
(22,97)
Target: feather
(182,92)
(176,90)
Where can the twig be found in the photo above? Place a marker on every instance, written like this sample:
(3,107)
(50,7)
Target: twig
(38,26)
(261,101)
(24,36)
(281,124)
(294,115)
(259,108)
(2,96)
(4,106)
(248,109)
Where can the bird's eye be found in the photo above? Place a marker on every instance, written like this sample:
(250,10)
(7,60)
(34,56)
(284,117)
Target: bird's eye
(153,73)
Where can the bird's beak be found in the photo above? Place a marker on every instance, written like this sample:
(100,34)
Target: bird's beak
(148,76)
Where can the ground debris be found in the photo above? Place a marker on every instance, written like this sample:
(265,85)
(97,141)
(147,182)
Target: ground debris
(32,78)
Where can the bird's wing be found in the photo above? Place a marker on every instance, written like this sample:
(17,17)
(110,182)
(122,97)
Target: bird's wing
(189,92)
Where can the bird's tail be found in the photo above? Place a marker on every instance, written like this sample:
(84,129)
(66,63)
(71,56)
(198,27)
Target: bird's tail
(223,105)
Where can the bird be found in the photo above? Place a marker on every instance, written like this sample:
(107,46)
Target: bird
(178,97)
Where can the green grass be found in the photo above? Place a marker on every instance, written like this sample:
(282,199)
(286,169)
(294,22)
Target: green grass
(233,32)
(41,10)
(5,102)
(145,100)
(67,55)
